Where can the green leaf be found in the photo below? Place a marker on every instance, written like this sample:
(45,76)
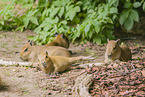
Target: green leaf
(61,29)
(136,4)
(61,12)
(90,34)
(69,7)
(37,30)
(64,22)
(46,28)
(143,7)
(72,14)
(56,20)
(114,17)
(128,23)
(123,17)
(127,4)
(54,12)
(30,13)
(34,20)
(134,15)
(113,10)
(108,19)
(26,22)
(77,9)
(96,25)
(109,33)
(97,40)
(87,28)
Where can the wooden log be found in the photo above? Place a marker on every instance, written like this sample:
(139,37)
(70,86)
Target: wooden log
(14,63)
(35,64)
(82,84)
(90,65)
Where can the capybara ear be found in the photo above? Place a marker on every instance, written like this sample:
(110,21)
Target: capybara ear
(107,39)
(118,41)
(32,43)
(46,53)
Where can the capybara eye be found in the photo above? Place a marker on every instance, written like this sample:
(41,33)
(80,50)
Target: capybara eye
(114,48)
(46,56)
(25,49)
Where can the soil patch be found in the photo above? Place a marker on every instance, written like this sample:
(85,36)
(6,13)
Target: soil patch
(27,82)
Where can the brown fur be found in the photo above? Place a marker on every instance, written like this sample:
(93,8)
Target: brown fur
(55,64)
(30,52)
(114,52)
(60,40)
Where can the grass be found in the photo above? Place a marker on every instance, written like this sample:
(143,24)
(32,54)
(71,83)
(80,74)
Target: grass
(4,3)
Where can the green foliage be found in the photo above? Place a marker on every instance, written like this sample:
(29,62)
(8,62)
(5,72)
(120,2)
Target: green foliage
(87,20)
(129,14)
(10,18)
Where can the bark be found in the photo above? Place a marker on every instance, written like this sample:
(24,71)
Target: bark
(82,84)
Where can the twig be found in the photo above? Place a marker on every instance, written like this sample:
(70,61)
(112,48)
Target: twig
(132,65)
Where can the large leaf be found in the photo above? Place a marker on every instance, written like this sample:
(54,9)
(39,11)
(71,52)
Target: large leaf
(113,10)
(61,12)
(26,22)
(114,17)
(113,2)
(127,4)
(87,28)
(128,23)
(54,12)
(56,20)
(136,4)
(72,14)
(77,9)
(34,20)
(64,22)
(134,15)
(96,25)
(123,17)
(30,13)
(47,27)
(37,30)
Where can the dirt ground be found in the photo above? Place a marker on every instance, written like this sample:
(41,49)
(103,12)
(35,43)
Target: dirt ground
(27,82)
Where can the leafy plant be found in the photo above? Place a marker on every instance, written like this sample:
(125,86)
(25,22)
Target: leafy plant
(87,20)
(129,14)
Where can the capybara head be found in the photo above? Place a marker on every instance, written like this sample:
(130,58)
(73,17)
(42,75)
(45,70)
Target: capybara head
(62,40)
(44,60)
(112,48)
(26,50)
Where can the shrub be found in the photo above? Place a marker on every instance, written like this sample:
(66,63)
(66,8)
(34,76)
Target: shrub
(86,20)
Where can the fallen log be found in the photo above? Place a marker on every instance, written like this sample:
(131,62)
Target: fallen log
(90,65)
(14,63)
(35,64)
(82,84)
